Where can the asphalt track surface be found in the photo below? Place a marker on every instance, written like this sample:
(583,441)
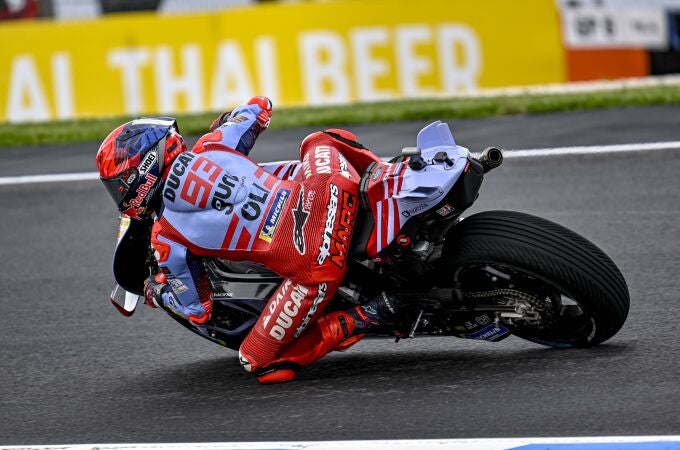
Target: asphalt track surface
(72,370)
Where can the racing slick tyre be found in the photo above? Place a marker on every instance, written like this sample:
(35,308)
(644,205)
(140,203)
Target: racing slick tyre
(565,291)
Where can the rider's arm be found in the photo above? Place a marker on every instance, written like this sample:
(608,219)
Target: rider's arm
(239,129)
(187,292)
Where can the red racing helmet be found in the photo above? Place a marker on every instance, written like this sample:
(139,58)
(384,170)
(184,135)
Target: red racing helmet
(133,160)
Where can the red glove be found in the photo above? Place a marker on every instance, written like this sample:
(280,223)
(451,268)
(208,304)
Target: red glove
(263,118)
(266,115)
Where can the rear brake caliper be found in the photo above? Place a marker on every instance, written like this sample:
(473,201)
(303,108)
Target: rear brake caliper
(519,307)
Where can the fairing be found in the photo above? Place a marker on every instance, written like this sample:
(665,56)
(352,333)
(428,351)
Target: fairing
(129,258)
(394,192)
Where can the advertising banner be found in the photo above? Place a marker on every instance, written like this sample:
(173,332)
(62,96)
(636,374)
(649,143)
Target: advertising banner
(297,54)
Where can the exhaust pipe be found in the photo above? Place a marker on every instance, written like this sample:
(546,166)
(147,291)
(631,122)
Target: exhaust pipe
(491,158)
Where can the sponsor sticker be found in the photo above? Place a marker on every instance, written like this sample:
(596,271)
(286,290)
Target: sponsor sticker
(483,319)
(305,166)
(332,211)
(335,239)
(344,167)
(415,210)
(445,210)
(489,333)
(148,161)
(177,285)
(238,119)
(283,289)
(123,226)
(377,173)
(322,159)
(134,208)
(300,215)
(320,296)
(290,309)
(173,182)
(272,220)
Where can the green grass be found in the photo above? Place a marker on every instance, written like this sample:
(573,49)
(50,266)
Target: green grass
(94,130)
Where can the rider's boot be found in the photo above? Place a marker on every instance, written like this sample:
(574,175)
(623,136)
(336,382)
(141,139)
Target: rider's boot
(380,310)
(321,337)
(334,331)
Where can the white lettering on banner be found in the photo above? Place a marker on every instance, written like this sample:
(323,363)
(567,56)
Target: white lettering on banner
(410,65)
(130,62)
(190,83)
(268,67)
(326,77)
(460,58)
(62,83)
(26,100)
(366,63)
(367,68)
(324,71)
(615,27)
(232,82)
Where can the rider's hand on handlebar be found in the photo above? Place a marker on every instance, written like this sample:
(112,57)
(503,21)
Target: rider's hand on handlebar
(263,118)
(153,290)
(265,115)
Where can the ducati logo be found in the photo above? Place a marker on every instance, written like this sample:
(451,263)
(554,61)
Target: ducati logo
(300,215)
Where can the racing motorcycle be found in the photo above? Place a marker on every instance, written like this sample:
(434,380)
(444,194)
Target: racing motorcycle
(486,276)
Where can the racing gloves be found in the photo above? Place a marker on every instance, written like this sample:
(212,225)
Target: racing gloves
(263,116)
(154,288)
(250,119)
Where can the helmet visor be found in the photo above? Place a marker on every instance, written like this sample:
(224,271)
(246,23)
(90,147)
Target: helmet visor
(119,188)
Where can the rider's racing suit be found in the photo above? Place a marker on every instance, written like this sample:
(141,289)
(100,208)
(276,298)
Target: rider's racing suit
(217,202)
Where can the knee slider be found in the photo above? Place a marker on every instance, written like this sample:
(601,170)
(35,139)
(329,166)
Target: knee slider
(247,366)
(337,326)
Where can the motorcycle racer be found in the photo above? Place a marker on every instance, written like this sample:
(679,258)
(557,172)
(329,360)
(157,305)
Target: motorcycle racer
(214,201)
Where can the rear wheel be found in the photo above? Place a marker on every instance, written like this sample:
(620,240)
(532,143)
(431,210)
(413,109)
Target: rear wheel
(549,284)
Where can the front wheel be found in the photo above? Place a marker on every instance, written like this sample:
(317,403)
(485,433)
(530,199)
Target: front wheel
(540,280)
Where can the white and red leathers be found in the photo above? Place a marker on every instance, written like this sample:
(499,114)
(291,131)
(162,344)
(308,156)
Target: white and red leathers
(217,202)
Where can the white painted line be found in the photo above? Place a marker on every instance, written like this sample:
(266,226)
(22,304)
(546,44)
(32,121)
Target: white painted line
(523,153)
(57,177)
(584,443)
(592,149)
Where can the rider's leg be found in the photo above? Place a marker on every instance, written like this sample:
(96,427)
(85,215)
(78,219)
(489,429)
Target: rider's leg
(323,237)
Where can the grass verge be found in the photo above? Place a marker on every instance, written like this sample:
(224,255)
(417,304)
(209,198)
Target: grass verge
(94,130)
